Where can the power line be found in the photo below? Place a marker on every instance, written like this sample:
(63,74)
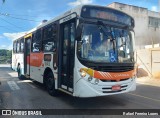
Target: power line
(9,15)
(24,19)
(8,28)
(22,15)
(11,24)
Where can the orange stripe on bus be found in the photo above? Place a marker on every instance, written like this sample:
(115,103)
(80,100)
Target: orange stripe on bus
(36,59)
(109,75)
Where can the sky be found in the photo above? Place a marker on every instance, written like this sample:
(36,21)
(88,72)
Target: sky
(20,16)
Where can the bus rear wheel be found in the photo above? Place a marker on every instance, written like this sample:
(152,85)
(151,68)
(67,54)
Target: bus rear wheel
(50,84)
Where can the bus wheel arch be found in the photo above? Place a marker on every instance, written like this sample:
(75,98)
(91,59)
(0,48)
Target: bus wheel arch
(49,82)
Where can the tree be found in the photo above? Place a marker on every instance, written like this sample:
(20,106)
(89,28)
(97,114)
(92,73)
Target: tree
(3,52)
(9,53)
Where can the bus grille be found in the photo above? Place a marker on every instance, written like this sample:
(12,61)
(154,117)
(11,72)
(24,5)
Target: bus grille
(114,80)
(109,89)
(112,68)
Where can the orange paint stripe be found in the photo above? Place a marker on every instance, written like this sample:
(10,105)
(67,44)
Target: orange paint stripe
(110,75)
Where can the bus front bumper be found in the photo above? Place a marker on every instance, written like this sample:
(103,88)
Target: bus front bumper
(86,89)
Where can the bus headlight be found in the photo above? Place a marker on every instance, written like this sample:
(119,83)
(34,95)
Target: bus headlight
(83,74)
(96,81)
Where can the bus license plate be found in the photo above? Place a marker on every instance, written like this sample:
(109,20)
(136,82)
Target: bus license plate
(116,87)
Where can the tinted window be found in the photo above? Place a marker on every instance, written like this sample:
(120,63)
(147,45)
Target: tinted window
(22,45)
(18,46)
(49,38)
(14,46)
(36,41)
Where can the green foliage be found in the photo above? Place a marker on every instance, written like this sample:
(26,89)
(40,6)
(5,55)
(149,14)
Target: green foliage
(5,56)
(3,52)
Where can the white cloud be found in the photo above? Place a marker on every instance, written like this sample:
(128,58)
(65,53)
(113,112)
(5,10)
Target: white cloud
(13,36)
(3,46)
(8,47)
(79,2)
(154,8)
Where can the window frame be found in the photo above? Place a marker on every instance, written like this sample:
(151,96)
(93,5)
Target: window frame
(37,39)
(47,37)
(21,41)
(15,46)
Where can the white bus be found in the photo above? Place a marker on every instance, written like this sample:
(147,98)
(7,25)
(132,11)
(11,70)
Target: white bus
(86,52)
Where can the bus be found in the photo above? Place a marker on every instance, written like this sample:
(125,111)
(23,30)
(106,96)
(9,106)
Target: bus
(86,52)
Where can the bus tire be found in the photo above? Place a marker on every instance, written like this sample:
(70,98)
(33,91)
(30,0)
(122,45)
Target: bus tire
(50,84)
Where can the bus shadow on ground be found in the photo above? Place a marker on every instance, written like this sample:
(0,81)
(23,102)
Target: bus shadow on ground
(104,102)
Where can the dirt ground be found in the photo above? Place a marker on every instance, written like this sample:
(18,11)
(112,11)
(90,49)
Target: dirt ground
(144,78)
(148,81)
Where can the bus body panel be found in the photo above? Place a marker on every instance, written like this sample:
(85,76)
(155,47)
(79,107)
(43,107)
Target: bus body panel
(86,89)
(36,69)
(18,58)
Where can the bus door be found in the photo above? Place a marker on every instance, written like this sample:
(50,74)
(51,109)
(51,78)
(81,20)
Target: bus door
(66,57)
(27,55)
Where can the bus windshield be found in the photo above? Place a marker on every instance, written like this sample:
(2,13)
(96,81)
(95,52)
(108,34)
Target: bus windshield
(101,43)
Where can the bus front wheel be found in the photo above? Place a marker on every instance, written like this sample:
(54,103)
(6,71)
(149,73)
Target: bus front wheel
(50,84)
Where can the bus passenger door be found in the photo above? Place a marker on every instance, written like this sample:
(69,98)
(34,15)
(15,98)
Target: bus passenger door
(66,57)
(27,56)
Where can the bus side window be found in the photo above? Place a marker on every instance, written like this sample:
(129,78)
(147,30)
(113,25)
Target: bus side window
(36,42)
(22,45)
(49,36)
(14,47)
(18,46)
